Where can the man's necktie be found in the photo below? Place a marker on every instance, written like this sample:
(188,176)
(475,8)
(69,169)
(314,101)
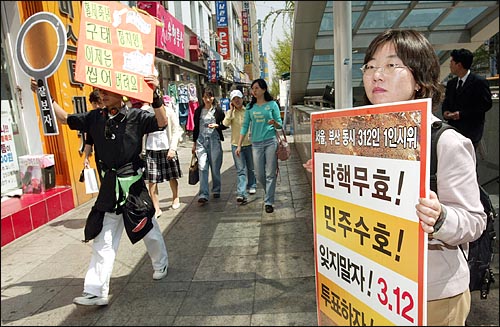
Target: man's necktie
(460,82)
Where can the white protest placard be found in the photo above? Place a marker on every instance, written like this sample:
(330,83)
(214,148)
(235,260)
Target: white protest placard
(370,166)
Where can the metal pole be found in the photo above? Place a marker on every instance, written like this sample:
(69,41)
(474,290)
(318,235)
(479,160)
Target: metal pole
(342,40)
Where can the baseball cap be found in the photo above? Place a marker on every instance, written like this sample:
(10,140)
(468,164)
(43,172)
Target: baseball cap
(235,93)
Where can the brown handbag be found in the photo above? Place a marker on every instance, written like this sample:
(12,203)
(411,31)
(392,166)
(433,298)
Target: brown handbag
(283,151)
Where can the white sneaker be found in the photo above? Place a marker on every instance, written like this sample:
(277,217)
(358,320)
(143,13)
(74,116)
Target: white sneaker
(252,190)
(176,206)
(159,274)
(90,299)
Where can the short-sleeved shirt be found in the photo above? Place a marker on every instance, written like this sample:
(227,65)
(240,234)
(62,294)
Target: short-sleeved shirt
(126,129)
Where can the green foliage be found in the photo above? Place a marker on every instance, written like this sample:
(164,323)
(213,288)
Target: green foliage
(281,52)
(281,55)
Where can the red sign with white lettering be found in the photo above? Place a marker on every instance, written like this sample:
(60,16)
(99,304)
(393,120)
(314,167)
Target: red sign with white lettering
(170,36)
(223,49)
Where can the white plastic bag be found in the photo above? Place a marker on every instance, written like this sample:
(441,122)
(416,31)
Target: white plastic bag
(90,181)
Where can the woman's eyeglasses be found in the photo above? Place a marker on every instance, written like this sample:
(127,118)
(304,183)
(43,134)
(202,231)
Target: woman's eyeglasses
(387,68)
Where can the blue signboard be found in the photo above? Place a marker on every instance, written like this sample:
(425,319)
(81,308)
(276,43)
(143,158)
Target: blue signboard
(224,103)
(221,13)
(213,70)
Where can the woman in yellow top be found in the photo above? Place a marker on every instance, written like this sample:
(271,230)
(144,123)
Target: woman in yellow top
(243,162)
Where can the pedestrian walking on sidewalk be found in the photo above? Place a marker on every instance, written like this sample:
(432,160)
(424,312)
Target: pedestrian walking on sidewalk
(174,134)
(244,162)
(117,132)
(162,163)
(263,115)
(207,144)
(401,65)
(95,101)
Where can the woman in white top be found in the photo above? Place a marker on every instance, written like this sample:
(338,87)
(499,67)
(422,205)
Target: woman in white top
(162,162)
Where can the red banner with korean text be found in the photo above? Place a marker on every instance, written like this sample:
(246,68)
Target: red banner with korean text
(116,49)
(370,166)
(170,36)
(245,25)
(223,43)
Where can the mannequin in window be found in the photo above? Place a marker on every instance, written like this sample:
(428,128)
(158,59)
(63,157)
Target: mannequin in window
(193,104)
(182,92)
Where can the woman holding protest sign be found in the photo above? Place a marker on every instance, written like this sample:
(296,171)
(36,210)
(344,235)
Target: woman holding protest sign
(401,65)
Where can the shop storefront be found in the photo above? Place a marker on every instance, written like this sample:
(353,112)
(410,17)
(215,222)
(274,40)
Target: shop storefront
(182,68)
(31,42)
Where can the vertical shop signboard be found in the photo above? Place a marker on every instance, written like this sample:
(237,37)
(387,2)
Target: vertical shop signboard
(223,43)
(221,13)
(247,52)
(213,70)
(116,49)
(245,25)
(34,35)
(370,166)
(247,43)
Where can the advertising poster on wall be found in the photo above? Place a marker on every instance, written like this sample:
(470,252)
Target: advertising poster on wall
(10,166)
(370,166)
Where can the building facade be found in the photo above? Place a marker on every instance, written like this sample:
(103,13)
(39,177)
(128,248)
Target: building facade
(190,47)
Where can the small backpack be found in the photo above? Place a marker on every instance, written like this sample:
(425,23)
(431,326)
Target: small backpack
(480,250)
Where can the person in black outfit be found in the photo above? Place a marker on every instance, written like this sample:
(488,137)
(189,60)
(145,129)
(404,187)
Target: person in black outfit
(467,98)
(117,132)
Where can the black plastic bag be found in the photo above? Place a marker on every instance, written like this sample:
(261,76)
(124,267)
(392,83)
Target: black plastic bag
(93,224)
(138,211)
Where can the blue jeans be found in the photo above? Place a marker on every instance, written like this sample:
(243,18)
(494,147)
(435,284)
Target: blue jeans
(209,153)
(265,163)
(244,169)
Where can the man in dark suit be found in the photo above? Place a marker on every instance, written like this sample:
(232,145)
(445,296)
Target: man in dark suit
(468,97)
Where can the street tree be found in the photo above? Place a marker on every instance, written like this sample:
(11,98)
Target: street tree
(281,55)
(286,15)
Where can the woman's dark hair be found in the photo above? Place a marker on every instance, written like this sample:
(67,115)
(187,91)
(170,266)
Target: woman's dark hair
(263,85)
(210,92)
(418,55)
